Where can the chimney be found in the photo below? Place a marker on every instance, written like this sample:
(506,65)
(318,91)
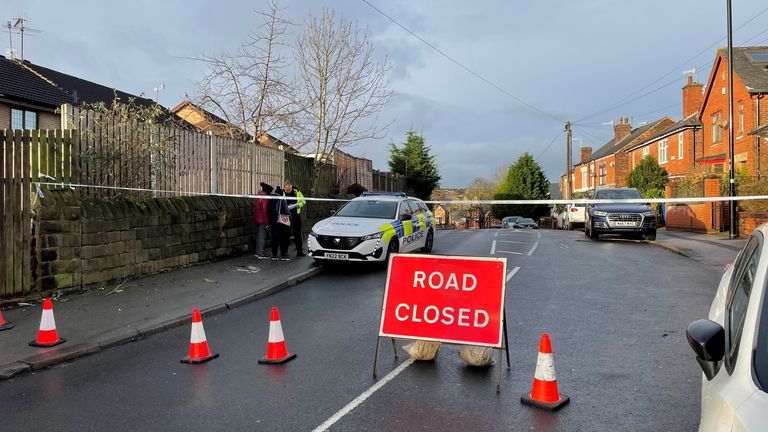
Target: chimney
(585,153)
(621,129)
(693,96)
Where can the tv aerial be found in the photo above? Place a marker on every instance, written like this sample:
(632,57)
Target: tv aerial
(18,26)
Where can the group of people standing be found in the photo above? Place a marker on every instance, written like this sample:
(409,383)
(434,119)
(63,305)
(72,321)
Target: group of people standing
(283,216)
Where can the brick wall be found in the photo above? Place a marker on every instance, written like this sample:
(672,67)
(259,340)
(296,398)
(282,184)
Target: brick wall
(748,221)
(699,217)
(90,241)
(47,120)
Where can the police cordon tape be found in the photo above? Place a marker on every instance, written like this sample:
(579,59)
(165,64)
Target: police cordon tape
(444,202)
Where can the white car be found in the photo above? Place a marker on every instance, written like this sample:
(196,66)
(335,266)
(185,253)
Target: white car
(732,345)
(371,227)
(573,215)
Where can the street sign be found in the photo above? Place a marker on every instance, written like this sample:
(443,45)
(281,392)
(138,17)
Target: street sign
(445,298)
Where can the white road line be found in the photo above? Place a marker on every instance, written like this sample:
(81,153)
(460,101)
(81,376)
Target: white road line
(497,233)
(512,241)
(509,252)
(535,245)
(493,247)
(365,395)
(512,273)
(538,234)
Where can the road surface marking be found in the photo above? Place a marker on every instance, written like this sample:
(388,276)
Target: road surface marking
(497,233)
(509,252)
(512,273)
(535,245)
(493,247)
(512,241)
(365,395)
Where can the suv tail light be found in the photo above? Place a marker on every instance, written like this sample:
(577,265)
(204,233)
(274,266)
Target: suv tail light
(574,209)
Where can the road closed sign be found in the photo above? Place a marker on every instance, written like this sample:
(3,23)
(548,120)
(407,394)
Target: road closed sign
(445,298)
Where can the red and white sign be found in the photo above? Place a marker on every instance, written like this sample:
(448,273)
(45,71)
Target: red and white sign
(445,298)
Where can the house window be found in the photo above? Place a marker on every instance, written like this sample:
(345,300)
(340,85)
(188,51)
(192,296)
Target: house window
(663,151)
(602,172)
(717,127)
(584,178)
(680,149)
(741,119)
(23,119)
(646,152)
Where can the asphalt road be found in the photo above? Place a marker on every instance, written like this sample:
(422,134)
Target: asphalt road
(616,312)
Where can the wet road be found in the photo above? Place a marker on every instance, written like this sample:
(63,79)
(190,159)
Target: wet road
(616,312)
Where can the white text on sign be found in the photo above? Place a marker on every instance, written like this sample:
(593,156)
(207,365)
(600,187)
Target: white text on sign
(463,317)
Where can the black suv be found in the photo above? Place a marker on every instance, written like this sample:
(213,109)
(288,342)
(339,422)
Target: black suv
(632,220)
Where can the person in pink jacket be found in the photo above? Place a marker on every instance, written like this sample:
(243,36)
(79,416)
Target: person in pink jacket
(261,219)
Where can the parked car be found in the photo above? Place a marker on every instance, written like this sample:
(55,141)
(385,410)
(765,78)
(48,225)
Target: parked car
(635,220)
(525,223)
(732,345)
(509,220)
(373,226)
(574,215)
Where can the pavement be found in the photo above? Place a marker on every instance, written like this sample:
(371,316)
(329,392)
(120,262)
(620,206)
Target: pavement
(130,310)
(713,250)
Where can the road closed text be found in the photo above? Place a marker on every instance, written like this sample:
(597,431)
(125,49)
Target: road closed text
(453,299)
(464,317)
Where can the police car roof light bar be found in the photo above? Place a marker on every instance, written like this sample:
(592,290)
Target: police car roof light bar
(398,194)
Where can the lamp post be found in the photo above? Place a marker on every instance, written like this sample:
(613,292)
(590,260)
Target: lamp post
(732,232)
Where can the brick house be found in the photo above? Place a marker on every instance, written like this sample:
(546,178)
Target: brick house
(750,111)
(205,121)
(676,147)
(30,95)
(610,164)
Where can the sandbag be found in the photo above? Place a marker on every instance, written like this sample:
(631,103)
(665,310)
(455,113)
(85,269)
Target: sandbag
(422,350)
(476,356)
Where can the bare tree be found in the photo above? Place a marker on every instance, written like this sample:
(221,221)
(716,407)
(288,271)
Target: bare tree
(248,88)
(343,86)
(479,189)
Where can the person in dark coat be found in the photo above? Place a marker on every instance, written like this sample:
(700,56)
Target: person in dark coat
(281,233)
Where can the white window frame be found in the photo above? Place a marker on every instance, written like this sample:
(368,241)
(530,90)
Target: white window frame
(646,151)
(680,146)
(584,179)
(741,119)
(663,147)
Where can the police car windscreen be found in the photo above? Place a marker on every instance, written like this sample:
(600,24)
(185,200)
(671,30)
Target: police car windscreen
(369,209)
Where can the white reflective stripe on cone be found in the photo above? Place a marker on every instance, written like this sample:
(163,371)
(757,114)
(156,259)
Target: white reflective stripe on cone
(545,368)
(198,333)
(275,331)
(47,322)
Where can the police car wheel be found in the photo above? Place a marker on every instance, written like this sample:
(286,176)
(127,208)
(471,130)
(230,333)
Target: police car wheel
(429,242)
(393,247)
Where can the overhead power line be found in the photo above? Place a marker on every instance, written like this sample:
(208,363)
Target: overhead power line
(541,153)
(675,70)
(466,68)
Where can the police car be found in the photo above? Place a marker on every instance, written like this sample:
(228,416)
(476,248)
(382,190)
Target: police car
(371,227)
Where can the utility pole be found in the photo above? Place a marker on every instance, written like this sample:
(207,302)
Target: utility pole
(732,232)
(569,165)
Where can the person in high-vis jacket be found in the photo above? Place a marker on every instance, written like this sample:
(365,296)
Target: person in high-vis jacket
(295,206)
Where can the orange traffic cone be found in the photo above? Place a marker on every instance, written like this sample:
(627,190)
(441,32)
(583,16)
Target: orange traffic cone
(544,393)
(4,325)
(198,344)
(277,351)
(47,336)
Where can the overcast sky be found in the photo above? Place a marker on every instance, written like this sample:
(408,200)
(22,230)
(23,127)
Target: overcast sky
(569,59)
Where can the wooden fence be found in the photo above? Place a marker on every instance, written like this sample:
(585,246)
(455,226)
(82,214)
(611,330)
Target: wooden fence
(387,182)
(27,156)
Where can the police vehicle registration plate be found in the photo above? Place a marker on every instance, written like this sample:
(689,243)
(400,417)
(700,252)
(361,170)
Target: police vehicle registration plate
(337,256)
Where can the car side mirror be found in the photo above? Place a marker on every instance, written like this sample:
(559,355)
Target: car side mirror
(332,212)
(707,339)
(405,217)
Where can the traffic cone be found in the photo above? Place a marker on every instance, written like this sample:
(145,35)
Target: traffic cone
(47,336)
(277,351)
(544,393)
(4,325)
(198,344)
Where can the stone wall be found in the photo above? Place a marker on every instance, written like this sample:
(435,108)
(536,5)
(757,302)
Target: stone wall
(81,242)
